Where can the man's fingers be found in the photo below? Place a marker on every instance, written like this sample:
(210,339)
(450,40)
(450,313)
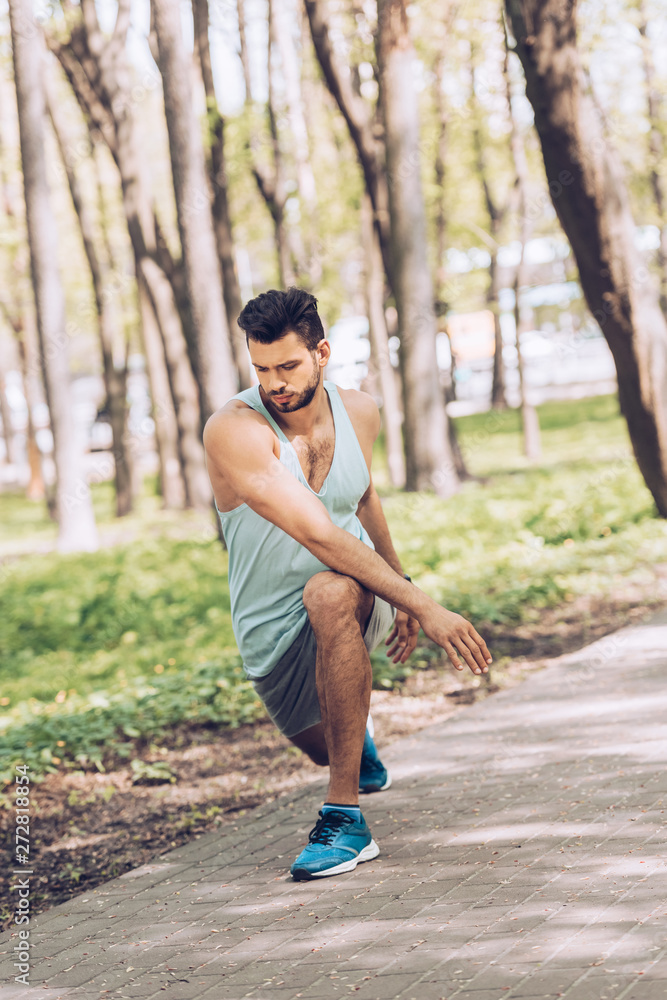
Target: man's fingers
(482,645)
(452,654)
(478,663)
(467,655)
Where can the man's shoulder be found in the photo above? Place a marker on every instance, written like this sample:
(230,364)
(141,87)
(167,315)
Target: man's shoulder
(362,409)
(233,420)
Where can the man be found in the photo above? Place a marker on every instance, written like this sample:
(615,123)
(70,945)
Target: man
(313,575)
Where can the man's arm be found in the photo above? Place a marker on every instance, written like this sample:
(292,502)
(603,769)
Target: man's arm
(371,515)
(403,637)
(242,451)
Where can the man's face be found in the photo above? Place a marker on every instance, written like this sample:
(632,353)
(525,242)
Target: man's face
(287,371)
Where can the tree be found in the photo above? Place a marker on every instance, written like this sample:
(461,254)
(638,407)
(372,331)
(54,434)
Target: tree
(591,200)
(529,418)
(96,67)
(210,350)
(370,149)
(115,378)
(270,179)
(294,105)
(656,148)
(429,460)
(497,213)
(218,176)
(377,329)
(76,523)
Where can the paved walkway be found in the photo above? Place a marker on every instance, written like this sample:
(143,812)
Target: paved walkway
(522,856)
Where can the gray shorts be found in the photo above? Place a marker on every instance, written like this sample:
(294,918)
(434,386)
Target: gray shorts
(289,692)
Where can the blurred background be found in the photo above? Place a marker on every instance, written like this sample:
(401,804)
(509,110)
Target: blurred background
(477,197)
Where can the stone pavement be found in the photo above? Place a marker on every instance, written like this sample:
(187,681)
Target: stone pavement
(522,856)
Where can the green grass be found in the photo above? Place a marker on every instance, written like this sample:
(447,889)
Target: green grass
(99,650)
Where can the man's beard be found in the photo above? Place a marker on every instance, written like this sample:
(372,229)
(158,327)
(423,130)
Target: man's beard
(301,399)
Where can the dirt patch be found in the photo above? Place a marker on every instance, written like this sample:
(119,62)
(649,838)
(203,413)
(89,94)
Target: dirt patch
(87,828)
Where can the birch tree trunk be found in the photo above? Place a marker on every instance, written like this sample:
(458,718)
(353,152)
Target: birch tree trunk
(221,217)
(74,510)
(656,150)
(370,150)
(290,65)
(115,379)
(429,460)
(99,74)
(530,423)
(496,214)
(171,473)
(15,307)
(7,429)
(210,352)
(26,337)
(591,201)
(391,406)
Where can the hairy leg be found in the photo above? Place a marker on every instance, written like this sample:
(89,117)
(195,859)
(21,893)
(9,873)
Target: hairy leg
(339,609)
(313,742)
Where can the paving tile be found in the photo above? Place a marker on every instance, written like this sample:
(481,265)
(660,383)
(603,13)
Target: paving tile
(438,913)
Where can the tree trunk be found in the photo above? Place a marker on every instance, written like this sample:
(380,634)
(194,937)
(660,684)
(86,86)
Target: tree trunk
(243,51)
(221,219)
(498,400)
(100,77)
(391,407)
(171,473)
(370,151)
(441,207)
(7,429)
(115,379)
(76,523)
(656,151)
(182,384)
(591,201)
(16,310)
(290,65)
(496,215)
(211,353)
(449,10)
(290,243)
(530,423)
(429,459)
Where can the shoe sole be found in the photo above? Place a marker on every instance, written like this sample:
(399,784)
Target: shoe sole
(368,789)
(369,852)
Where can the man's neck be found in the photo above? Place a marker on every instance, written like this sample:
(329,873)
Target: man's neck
(304,422)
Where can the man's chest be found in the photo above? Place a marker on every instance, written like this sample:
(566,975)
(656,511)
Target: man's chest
(315,457)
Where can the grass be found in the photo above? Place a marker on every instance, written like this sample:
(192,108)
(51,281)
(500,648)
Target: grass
(99,650)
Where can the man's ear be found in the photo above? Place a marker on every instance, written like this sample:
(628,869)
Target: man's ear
(324,352)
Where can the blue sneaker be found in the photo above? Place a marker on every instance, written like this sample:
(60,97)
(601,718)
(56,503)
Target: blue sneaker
(373,776)
(336,844)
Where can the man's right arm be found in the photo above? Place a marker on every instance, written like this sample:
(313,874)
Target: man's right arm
(241,449)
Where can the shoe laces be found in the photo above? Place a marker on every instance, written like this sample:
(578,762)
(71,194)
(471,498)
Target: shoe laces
(327,826)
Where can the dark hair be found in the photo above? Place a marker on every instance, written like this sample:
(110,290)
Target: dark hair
(273,314)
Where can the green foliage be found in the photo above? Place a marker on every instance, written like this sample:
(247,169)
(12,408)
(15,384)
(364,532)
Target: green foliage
(141,606)
(151,772)
(83,730)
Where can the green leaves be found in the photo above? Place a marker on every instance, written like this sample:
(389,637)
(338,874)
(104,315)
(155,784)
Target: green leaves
(83,731)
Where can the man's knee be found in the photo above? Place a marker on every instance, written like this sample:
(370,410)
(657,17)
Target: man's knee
(312,742)
(329,592)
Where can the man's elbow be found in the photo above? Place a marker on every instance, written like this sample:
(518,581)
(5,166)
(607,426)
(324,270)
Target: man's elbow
(321,538)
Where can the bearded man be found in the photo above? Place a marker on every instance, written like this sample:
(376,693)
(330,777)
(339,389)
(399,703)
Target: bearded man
(314,578)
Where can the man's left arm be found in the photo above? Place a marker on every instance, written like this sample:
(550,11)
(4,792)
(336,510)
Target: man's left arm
(403,637)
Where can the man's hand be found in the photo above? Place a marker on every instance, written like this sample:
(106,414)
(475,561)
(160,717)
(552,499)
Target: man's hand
(403,636)
(458,638)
